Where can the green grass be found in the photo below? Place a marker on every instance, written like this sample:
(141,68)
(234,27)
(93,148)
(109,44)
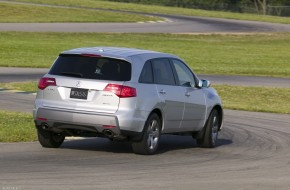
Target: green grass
(256,54)
(29,13)
(257,99)
(21,86)
(16,127)
(161,9)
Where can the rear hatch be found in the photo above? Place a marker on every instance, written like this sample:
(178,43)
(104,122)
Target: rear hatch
(85,83)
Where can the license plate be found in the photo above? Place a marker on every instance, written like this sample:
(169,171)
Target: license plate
(79,93)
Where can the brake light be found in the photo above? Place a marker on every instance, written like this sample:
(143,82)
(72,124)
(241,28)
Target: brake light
(90,55)
(45,82)
(121,90)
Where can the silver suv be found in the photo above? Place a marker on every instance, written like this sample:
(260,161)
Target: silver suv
(125,94)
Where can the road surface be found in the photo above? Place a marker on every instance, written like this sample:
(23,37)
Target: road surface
(16,74)
(253,153)
(173,24)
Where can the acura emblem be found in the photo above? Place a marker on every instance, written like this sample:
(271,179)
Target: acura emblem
(78,84)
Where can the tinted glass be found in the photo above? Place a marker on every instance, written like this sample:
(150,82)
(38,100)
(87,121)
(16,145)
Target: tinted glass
(184,75)
(162,71)
(146,74)
(92,68)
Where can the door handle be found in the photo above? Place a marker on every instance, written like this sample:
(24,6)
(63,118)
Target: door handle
(187,94)
(162,92)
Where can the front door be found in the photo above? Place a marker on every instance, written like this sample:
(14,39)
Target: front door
(193,98)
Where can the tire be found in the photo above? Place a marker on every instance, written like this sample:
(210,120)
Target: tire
(210,131)
(151,136)
(49,139)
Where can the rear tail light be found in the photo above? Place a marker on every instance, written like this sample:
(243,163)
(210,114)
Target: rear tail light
(121,90)
(45,82)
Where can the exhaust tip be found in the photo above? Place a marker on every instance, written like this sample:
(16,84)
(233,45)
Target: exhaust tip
(44,126)
(108,133)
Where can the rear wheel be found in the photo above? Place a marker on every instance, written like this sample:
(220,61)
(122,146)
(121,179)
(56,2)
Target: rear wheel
(210,131)
(50,139)
(151,137)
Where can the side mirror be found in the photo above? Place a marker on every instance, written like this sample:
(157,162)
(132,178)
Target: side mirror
(204,83)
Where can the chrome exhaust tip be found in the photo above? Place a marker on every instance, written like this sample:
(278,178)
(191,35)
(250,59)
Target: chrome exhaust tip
(44,126)
(108,133)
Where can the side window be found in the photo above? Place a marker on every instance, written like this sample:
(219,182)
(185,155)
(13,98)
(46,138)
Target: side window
(146,74)
(162,72)
(183,73)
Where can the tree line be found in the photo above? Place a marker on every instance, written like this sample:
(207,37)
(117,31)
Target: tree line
(271,7)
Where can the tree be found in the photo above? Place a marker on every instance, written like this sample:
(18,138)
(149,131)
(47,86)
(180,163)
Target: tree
(276,7)
(263,5)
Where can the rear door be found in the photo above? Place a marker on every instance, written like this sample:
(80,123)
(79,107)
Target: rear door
(81,82)
(169,93)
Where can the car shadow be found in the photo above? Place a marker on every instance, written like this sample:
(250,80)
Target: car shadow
(97,144)
(167,143)
(173,142)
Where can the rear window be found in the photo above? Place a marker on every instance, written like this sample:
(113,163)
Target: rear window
(91,67)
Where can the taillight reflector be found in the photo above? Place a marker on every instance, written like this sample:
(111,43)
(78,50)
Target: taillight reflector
(109,126)
(41,119)
(45,82)
(121,90)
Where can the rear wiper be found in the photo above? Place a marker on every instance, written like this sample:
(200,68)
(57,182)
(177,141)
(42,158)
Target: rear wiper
(72,74)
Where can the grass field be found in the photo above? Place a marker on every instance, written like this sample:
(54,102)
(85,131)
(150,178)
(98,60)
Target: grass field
(16,127)
(257,99)
(261,99)
(257,55)
(21,86)
(161,9)
(29,13)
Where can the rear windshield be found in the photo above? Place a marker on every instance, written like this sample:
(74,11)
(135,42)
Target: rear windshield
(91,67)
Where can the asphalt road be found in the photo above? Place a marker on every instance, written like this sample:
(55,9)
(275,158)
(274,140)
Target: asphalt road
(253,153)
(15,74)
(176,24)
(194,25)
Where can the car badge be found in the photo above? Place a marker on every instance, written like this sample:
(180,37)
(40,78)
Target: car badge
(78,84)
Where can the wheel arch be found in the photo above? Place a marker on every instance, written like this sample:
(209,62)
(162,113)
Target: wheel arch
(221,114)
(159,113)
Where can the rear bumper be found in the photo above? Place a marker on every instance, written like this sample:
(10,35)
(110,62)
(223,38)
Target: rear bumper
(120,123)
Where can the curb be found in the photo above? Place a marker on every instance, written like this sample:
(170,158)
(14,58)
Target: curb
(155,22)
